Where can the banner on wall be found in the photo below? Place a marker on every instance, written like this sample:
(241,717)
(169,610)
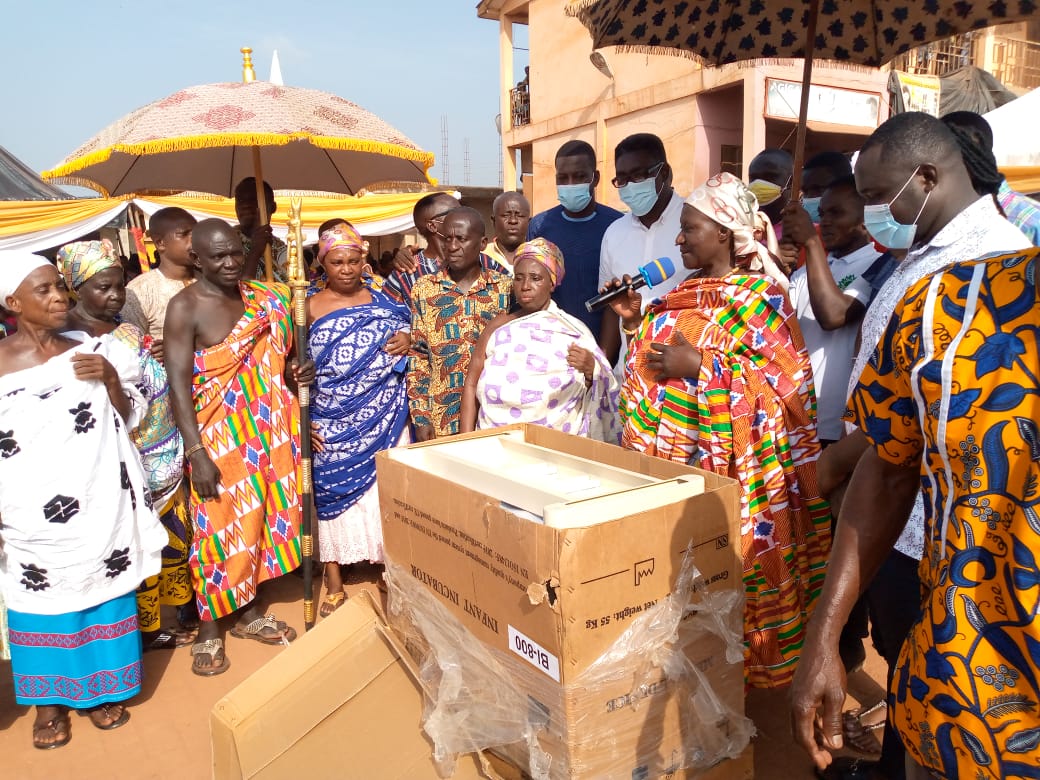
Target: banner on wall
(918,92)
(833,105)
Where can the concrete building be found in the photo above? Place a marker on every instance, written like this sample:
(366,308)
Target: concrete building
(710,119)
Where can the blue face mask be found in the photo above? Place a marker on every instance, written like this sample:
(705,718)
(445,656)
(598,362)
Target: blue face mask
(885,228)
(640,196)
(574,198)
(812,205)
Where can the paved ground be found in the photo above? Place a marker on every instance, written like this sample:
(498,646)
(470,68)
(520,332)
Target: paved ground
(168,735)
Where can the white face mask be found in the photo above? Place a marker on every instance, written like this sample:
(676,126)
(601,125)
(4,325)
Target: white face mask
(885,228)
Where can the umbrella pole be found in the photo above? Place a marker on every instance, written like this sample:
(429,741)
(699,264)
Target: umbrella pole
(299,283)
(803,110)
(248,75)
(261,203)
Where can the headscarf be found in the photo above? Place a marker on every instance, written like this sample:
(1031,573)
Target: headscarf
(15,266)
(81,260)
(546,253)
(727,200)
(342,235)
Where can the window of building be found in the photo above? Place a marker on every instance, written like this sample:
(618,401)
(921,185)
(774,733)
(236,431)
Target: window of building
(731,160)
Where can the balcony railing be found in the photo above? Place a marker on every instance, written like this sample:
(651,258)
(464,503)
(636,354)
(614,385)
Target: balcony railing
(1017,63)
(520,105)
(939,58)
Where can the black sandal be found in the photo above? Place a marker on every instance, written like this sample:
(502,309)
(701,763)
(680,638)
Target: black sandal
(59,724)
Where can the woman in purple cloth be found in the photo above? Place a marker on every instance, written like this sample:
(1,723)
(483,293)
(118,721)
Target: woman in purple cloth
(539,364)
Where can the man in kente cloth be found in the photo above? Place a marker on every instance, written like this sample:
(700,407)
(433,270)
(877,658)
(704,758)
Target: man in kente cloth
(227,347)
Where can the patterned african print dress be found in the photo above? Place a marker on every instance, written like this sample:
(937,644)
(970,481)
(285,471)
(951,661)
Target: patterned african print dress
(526,378)
(162,454)
(249,422)
(79,533)
(954,390)
(360,406)
(749,415)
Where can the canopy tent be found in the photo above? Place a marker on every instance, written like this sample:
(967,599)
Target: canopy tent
(1013,142)
(19,182)
(36,225)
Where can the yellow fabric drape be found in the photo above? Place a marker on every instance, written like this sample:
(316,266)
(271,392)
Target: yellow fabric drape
(315,209)
(1023,178)
(22,217)
(18,217)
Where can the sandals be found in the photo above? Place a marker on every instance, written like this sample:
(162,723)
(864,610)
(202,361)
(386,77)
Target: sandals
(266,630)
(59,725)
(106,711)
(212,649)
(332,602)
(170,639)
(860,735)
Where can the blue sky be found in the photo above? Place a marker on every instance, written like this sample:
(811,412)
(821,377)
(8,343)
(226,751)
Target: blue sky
(72,67)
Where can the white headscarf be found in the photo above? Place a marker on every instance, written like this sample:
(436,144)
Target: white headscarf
(727,200)
(15,266)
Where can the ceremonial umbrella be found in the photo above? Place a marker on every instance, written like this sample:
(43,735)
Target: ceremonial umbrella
(717,32)
(210,137)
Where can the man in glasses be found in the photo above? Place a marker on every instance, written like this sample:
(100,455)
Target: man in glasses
(428,215)
(643,179)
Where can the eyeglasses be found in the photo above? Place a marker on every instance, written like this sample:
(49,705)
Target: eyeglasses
(621,181)
(439,217)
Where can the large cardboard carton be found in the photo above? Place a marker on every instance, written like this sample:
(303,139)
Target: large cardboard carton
(547,602)
(337,704)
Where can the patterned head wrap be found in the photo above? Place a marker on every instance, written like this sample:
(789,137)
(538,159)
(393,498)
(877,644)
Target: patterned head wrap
(546,253)
(727,200)
(81,260)
(342,235)
(15,266)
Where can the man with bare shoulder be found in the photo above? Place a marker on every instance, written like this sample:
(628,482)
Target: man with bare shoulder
(227,348)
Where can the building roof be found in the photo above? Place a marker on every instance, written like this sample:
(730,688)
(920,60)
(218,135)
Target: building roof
(495,9)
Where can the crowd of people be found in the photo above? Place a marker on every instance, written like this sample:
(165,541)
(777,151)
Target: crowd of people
(860,356)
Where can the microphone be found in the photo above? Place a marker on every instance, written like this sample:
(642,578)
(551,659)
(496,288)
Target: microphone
(649,275)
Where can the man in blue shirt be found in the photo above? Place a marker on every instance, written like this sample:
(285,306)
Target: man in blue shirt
(576,226)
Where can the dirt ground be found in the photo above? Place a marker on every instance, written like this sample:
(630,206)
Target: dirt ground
(168,734)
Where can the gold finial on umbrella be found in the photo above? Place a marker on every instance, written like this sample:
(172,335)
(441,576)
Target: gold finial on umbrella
(248,73)
(298,281)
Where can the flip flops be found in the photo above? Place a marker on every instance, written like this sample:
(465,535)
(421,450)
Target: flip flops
(212,649)
(106,711)
(331,603)
(170,639)
(859,735)
(58,725)
(266,630)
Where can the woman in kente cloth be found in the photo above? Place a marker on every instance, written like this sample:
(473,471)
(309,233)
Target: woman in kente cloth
(359,340)
(717,376)
(78,530)
(538,364)
(94,277)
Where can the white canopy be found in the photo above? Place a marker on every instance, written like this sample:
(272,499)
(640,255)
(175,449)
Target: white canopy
(1013,125)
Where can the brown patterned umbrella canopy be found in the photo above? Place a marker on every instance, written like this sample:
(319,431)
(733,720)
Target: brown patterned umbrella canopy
(201,138)
(865,32)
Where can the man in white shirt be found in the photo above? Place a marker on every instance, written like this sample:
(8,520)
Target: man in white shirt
(643,178)
(829,294)
(920,198)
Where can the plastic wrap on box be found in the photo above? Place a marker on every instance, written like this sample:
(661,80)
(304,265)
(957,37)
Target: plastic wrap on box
(482,698)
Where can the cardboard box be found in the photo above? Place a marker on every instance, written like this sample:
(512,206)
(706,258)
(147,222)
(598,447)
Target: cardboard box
(548,602)
(338,703)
